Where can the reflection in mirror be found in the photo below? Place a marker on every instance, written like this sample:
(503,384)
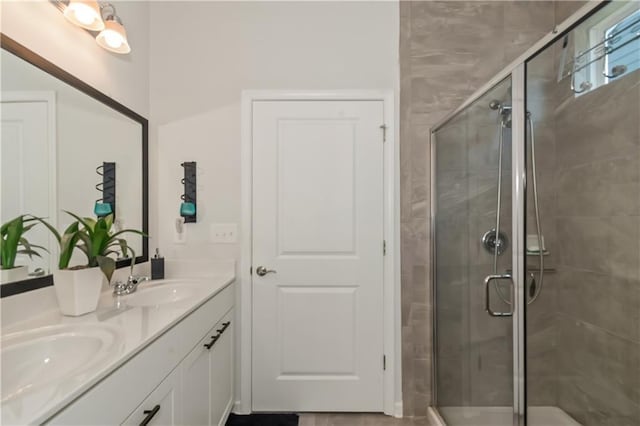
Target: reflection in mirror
(62,149)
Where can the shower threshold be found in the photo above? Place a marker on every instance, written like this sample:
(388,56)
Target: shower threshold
(503,416)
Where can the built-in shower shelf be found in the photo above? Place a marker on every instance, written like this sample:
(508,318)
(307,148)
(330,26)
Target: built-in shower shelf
(535,269)
(537,253)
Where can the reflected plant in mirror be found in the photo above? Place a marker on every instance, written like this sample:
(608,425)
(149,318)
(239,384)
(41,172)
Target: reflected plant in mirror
(57,132)
(12,243)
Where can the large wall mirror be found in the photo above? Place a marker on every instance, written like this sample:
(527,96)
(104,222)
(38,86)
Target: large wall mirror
(66,146)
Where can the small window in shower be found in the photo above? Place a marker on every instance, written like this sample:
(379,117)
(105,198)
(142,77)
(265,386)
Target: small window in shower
(607,48)
(624,56)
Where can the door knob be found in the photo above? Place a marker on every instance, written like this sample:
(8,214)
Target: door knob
(262,271)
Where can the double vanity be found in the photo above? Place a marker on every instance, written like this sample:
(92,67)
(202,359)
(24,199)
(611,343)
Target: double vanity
(161,355)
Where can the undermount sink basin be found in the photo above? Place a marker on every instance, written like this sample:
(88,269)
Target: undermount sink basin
(165,292)
(35,358)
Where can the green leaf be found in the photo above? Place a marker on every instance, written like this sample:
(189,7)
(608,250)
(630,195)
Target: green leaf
(109,221)
(87,223)
(11,233)
(107,266)
(28,252)
(133,231)
(26,244)
(53,230)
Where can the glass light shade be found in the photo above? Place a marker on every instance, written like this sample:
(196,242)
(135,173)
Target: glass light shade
(114,37)
(85,14)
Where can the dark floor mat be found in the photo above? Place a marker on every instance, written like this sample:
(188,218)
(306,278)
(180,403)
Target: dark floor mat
(263,420)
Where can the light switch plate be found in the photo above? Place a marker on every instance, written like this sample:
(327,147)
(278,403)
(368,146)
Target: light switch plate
(224,233)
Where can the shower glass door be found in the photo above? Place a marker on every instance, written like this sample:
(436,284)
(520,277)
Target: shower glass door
(472,223)
(583,287)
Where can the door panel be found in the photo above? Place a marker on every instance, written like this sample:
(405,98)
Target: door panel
(318,223)
(25,186)
(222,374)
(474,350)
(196,383)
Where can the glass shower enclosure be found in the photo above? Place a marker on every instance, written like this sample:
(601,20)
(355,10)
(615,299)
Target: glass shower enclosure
(536,234)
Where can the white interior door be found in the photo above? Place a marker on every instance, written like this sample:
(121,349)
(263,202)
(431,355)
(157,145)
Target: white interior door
(318,225)
(24,170)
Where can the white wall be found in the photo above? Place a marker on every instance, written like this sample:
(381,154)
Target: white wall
(226,47)
(204,54)
(41,27)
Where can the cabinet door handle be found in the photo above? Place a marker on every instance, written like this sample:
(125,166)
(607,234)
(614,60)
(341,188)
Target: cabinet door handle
(150,414)
(214,339)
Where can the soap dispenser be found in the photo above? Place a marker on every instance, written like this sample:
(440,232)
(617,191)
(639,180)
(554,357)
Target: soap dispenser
(157,266)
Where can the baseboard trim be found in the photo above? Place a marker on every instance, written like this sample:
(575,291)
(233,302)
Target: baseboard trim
(237,408)
(434,417)
(227,412)
(397,410)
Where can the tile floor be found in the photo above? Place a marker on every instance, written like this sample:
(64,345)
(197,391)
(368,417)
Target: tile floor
(349,419)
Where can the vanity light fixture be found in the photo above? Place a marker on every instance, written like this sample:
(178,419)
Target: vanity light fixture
(113,37)
(85,14)
(100,18)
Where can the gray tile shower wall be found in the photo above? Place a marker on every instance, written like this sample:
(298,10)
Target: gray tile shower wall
(598,242)
(448,49)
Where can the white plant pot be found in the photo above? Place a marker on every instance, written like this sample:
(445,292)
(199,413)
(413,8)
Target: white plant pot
(18,273)
(78,290)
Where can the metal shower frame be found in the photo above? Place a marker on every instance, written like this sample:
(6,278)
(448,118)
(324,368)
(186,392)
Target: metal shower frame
(517,71)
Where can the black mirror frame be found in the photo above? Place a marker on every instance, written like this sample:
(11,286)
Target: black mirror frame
(38,61)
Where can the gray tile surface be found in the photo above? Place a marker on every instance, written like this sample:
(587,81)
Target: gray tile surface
(355,419)
(590,209)
(586,355)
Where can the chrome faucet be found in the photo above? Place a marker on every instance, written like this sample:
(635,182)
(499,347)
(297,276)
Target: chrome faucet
(130,286)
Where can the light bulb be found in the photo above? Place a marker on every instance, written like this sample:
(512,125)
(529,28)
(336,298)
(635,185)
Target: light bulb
(84,14)
(113,39)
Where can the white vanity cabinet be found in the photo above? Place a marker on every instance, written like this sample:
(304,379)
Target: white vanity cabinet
(183,377)
(207,377)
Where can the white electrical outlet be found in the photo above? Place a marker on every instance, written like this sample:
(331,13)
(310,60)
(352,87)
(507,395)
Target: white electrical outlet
(224,233)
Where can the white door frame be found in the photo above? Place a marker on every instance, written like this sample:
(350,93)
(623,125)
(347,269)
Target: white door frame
(48,97)
(392,319)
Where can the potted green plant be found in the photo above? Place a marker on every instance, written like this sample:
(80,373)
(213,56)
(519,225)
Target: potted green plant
(13,243)
(78,287)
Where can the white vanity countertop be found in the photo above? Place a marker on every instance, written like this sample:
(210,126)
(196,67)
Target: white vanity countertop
(131,327)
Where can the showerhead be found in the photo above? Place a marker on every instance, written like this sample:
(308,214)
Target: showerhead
(504,110)
(495,104)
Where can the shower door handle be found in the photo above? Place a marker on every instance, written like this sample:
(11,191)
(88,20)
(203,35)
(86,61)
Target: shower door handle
(487,292)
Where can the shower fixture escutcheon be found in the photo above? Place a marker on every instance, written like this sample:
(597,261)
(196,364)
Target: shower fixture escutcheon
(489,241)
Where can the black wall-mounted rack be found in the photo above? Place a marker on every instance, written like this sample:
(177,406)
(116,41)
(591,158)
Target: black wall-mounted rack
(189,195)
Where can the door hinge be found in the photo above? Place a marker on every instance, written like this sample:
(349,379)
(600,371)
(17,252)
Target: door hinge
(384,362)
(384,132)
(384,247)
(250,270)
